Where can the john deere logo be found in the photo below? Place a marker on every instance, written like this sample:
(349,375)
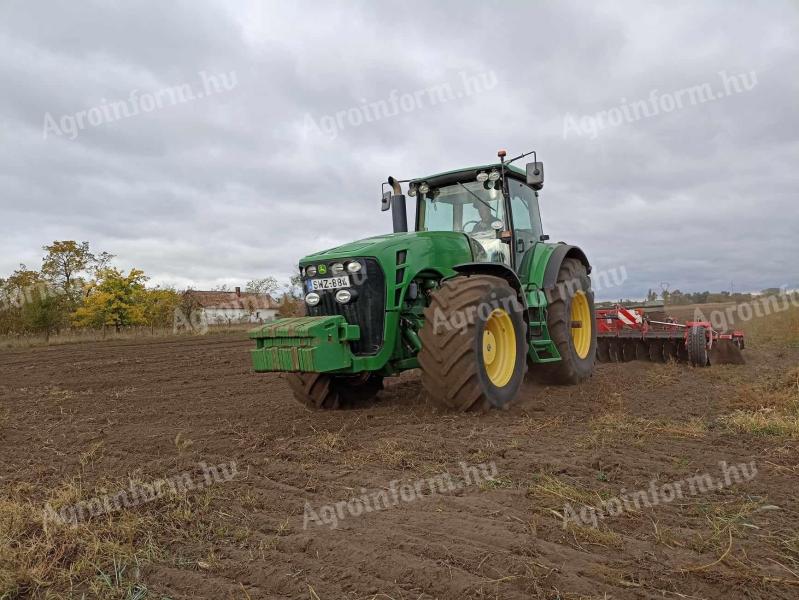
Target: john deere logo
(322,269)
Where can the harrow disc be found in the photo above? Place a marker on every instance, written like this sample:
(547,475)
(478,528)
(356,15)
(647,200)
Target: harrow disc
(614,351)
(602,351)
(627,352)
(670,351)
(641,350)
(682,352)
(726,352)
(655,348)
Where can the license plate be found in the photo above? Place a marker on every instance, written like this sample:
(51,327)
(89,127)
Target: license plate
(330,283)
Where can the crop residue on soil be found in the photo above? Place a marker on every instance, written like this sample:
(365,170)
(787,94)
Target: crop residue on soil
(93,416)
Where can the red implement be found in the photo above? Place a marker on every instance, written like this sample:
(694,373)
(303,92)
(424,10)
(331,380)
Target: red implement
(627,334)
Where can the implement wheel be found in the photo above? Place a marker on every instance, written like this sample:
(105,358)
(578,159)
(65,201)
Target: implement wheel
(331,392)
(474,344)
(571,322)
(696,344)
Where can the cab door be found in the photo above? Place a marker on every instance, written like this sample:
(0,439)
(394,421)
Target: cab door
(526,220)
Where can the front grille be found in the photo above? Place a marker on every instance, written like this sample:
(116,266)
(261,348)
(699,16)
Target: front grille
(367,310)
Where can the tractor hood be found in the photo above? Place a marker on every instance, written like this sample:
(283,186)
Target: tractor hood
(382,245)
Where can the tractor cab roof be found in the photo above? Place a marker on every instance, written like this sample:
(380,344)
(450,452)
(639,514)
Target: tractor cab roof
(468,174)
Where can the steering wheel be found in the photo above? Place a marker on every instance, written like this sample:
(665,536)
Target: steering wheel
(472,223)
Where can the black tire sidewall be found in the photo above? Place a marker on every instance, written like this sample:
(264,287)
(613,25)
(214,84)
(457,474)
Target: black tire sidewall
(697,348)
(584,366)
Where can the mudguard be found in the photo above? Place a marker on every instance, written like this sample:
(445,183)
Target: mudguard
(497,270)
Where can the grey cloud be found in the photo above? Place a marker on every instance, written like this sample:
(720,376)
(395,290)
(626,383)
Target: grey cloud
(227,188)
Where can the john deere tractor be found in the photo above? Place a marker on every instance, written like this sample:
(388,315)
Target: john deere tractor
(473,296)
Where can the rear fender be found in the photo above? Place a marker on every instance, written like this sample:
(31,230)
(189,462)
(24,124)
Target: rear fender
(559,254)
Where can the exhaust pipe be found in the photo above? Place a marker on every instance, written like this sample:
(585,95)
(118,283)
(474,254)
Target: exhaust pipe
(399,216)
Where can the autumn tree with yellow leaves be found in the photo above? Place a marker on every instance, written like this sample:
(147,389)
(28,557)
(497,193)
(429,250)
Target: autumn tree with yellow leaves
(114,299)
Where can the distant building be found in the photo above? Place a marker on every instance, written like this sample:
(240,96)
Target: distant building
(233,307)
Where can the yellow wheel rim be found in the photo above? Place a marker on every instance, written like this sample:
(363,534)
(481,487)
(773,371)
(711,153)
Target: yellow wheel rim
(499,347)
(581,313)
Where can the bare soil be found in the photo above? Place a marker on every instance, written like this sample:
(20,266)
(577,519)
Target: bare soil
(152,409)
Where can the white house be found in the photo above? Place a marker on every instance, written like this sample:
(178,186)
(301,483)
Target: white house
(233,307)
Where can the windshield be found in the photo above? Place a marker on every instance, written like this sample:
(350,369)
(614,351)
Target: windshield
(470,207)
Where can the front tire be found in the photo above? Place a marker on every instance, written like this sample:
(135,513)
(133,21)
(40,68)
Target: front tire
(332,392)
(474,344)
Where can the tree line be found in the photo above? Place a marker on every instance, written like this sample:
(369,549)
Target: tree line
(78,288)
(679,298)
(676,297)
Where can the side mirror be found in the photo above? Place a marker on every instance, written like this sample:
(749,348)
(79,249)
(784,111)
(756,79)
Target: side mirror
(385,202)
(535,175)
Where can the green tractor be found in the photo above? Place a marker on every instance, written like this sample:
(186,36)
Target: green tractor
(473,297)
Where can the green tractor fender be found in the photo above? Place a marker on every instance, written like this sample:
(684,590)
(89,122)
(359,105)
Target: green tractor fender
(540,265)
(497,270)
(539,268)
(559,253)
(539,273)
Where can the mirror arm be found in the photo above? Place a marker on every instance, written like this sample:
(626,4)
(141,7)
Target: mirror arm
(535,156)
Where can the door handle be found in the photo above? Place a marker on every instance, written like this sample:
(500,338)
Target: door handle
(519,245)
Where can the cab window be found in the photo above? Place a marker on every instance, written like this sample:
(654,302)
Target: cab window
(439,216)
(470,207)
(524,207)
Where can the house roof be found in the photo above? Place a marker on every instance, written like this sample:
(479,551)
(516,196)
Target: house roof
(233,300)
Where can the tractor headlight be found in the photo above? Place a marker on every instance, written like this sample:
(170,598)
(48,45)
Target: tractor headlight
(336,268)
(493,176)
(482,176)
(312,299)
(310,271)
(354,267)
(423,188)
(343,296)
(412,191)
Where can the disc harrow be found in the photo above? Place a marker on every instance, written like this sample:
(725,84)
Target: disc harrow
(625,334)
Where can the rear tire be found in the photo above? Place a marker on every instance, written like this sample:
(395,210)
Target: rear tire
(578,353)
(331,392)
(474,344)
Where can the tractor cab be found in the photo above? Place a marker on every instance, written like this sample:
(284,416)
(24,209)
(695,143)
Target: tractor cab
(495,205)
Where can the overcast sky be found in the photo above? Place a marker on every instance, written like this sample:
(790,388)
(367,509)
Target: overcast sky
(284,156)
